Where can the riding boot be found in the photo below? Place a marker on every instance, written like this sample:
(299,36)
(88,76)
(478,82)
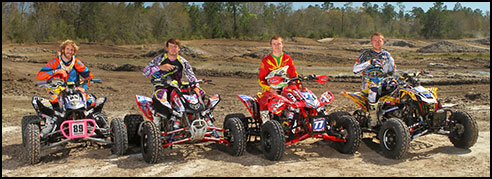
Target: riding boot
(175,122)
(373,115)
(48,127)
(264,115)
(157,120)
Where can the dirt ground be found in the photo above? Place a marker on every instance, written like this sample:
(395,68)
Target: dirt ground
(233,65)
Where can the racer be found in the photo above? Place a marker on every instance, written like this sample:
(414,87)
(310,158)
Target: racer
(68,68)
(164,66)
(275,60)
(369,59)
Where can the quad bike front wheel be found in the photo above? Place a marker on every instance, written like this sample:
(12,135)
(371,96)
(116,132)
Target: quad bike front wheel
(394,138)
(33,143)
(241,118)
(118,137)
(150,142)
(132,122)
(272,140)
(24,121)
(235,135)
(349,129)
(465,130)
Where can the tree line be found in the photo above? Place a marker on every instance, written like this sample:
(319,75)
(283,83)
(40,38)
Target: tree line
(133,23)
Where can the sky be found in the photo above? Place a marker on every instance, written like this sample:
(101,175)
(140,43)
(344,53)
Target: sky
(484,6)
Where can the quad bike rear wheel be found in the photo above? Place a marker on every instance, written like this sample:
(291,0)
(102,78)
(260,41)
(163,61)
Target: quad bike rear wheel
(394,138)
(348,127)
(235,135)
(33,143)
(150,142)
(272,140)
(466,130)
(118,137)
(132,122)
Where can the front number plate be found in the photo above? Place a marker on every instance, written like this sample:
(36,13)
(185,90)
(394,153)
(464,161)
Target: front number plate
(78,129)
(319,125)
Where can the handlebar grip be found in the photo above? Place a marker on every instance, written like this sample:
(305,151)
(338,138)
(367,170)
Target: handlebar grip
(41,83)
(96,80)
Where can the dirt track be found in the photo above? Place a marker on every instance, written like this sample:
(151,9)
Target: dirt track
(431,155)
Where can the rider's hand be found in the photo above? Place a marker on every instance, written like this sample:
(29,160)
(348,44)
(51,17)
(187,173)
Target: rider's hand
(61,73)
(166,67)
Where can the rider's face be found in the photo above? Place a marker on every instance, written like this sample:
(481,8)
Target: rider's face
(68,52)
(277,46)
(172,49)
(377,42)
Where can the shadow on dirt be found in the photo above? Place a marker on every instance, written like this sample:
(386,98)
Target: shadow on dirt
(379,159)
(443,149)
(18,156)
(411,155)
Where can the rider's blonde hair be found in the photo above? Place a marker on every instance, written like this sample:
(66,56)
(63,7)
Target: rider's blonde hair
(277,38)
(69,42)
(377,34)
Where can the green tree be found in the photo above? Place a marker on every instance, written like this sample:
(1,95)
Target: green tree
(213,11)
(89,22)
(434,21)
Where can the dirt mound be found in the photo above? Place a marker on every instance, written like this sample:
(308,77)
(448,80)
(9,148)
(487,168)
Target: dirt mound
(113,67)
(259,54)
(485,41)
(185,51)
(302,40)
(129,67)
(31,50)
(400,43)
(446,46)
(154,53)
(191,51)
(215,73)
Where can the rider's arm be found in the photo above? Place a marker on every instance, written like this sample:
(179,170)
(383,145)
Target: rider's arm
(153,66)
(390,67)
(83,71)
(48,70)
(188,71)
(292,69)
(263,73)
(361,64)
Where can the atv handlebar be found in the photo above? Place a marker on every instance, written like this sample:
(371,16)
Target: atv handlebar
(277,79)
(175,84)
(57,82)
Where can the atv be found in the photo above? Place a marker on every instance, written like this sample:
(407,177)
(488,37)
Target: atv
(76,120)
(407,110)
(193,115)
(293,115)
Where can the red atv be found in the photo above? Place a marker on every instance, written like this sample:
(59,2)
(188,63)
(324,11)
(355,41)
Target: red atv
(296,114)
(193,114)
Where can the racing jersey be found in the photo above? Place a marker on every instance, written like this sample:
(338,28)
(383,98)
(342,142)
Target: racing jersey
(269,63)
(152,69)
(384,58)
(73,75)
